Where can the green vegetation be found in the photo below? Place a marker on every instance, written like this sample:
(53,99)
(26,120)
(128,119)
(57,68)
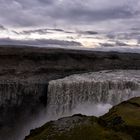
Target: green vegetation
(125,118)
(121,123)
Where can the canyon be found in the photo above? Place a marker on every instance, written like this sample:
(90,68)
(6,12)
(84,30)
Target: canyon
(26,72)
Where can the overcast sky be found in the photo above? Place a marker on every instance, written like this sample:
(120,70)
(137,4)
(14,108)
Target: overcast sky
(80,22)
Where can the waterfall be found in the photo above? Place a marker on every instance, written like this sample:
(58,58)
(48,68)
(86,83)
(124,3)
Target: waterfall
(106,87)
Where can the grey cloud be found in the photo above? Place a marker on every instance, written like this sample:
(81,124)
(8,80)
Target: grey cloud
(88,32)
(58,42)
(34,3)
(39,31)
(118,49)
(111,36)
(123,38)
(91,32)
(107,45)
(119,43)
(47,1)
(70,37)
(42,31)
(2,27)
(125,35)
(48,12)
(115,43)
(91,15)
(59,30)
(38,42)
(135,29)
(132,35)
(16,32)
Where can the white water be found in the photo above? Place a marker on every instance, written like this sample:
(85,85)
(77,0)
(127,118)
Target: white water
(92,109)
(92,93)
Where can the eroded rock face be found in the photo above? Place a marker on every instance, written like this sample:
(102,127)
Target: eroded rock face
(20,102)
(121,123)
(12,93)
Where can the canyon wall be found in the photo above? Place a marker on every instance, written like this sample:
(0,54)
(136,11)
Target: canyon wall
(22,68)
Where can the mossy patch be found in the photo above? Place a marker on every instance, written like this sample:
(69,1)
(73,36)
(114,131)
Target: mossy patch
(124,117)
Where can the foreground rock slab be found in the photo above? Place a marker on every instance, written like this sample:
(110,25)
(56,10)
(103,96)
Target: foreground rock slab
(121,123)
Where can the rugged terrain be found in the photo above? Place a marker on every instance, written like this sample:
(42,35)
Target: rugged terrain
(21,67)
(25,72)
(121,123)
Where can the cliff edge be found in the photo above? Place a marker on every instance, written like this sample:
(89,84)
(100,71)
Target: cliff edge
(122,122)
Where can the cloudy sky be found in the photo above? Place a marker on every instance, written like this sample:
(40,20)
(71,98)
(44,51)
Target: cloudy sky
(84,23)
